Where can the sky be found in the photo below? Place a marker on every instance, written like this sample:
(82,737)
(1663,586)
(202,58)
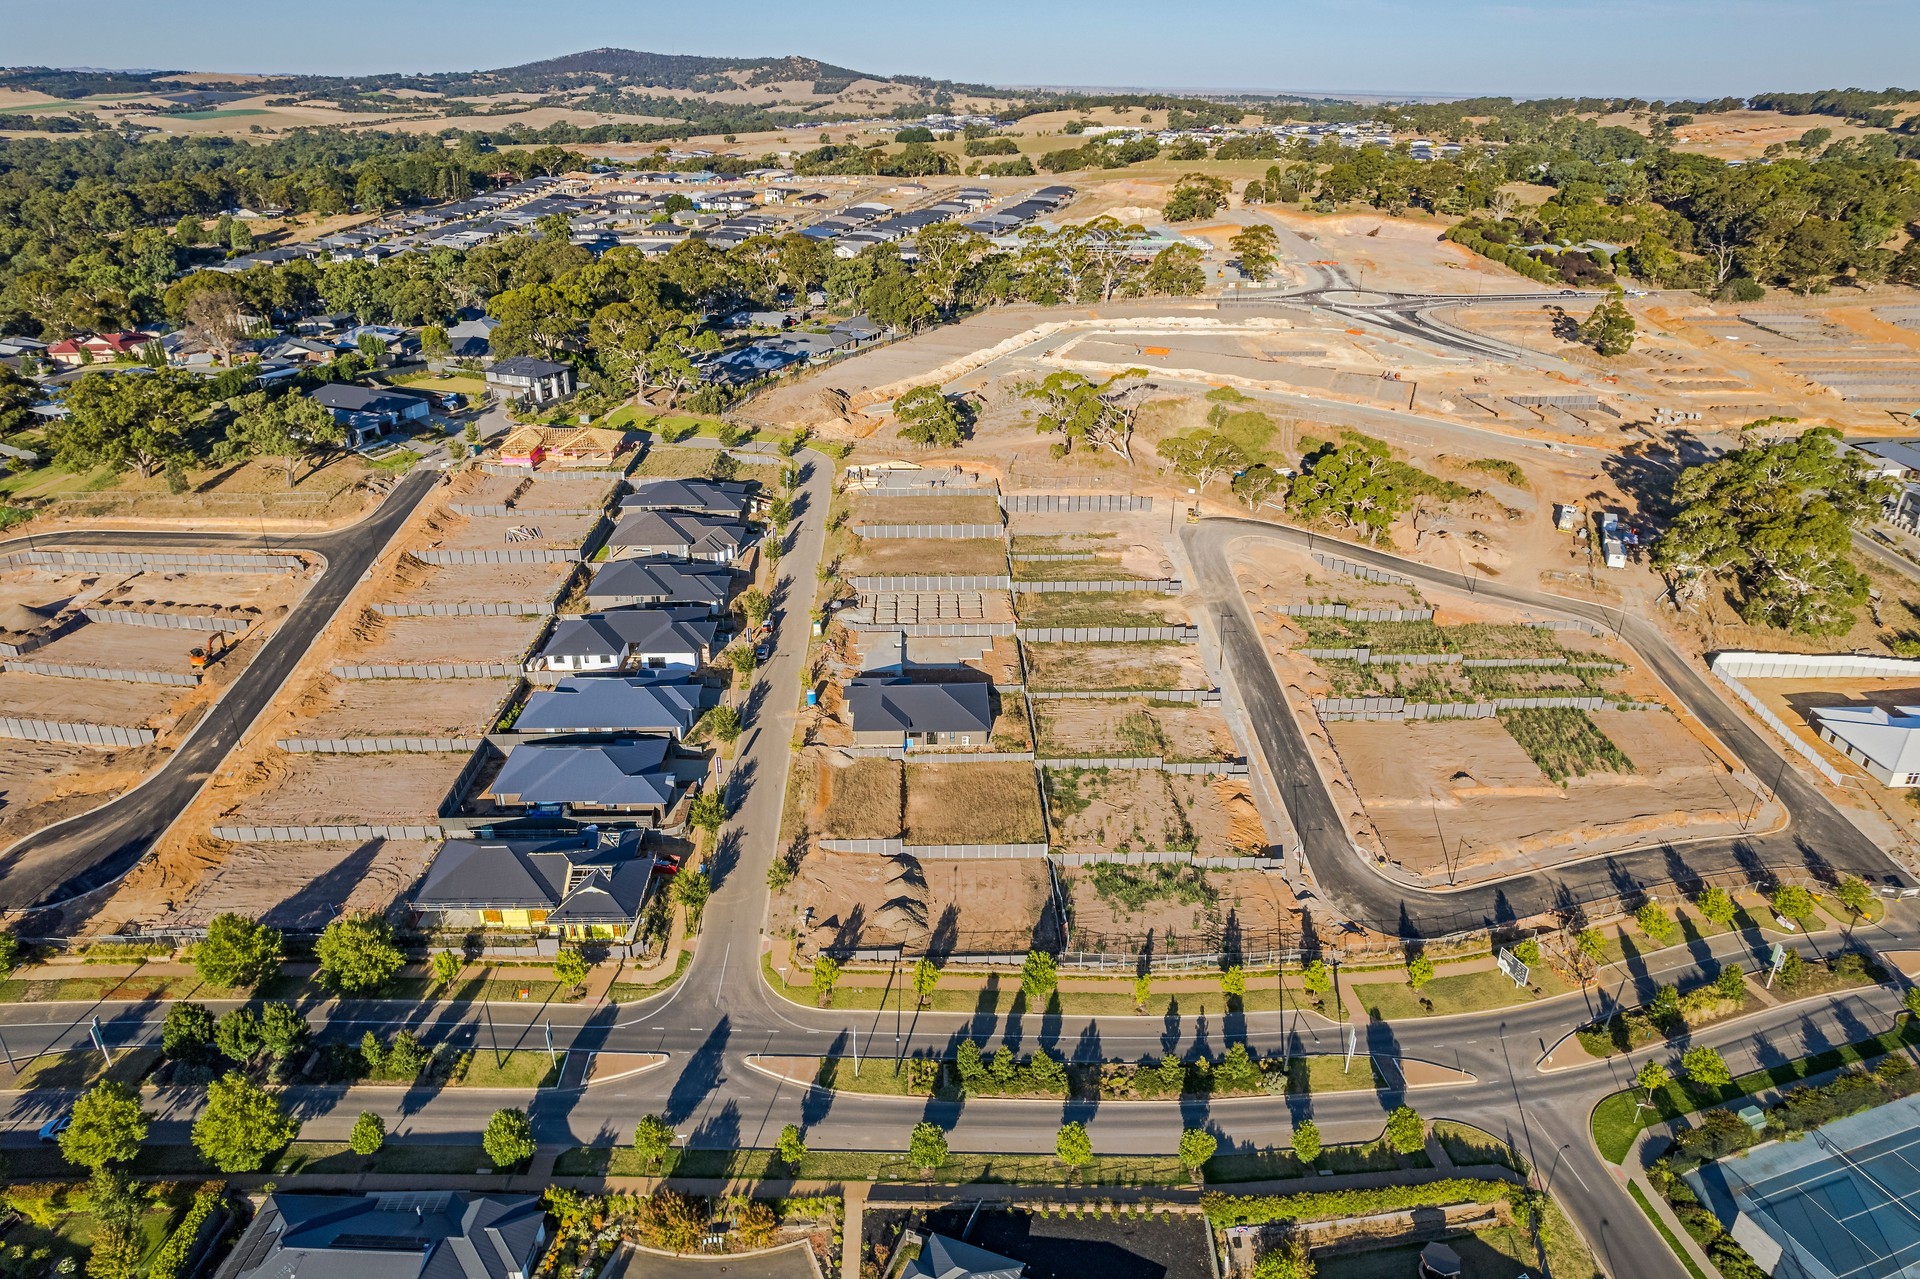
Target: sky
(1533,48)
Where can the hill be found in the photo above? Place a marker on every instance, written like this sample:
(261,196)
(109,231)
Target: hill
(635,69)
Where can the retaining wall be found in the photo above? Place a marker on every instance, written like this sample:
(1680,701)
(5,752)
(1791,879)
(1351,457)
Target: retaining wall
(59,671)
(1163,585)
(1106,634)
(944,532)
(1362,571)
(379,745)
(1071,503)
(165,621)
(47,730)
(475,670)
(1054,557)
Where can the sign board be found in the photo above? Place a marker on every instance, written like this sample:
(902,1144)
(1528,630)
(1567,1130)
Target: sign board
(1777,958)
(1511,966)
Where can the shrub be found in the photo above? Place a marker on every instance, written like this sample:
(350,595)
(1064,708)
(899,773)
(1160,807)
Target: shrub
(508,1139)
(1038,977)
(369,1134)
(1406,1132)
(1419,971)
(1196,1147)
(1655,922)
(1306,1141)
(1790,901)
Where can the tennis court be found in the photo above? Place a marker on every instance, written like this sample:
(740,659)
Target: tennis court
(1842,1204)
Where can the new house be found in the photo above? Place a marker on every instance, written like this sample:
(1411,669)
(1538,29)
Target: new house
(641,638)
(908,714)
(578,885)
(613,704)
(692,537)
(1885,743)
(588,446)
(658,579)
(522,377)
(730,498)
(415,1234)
(626,780)
(944,1258)
(370,412)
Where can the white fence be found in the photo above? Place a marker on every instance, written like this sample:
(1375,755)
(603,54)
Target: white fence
(941,532)
(60,671)
(1731,668)
(165,621)
(1374,708)
(44,730)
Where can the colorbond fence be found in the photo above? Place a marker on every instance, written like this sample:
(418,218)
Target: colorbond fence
(165,621)
(1106,634)
(1362,571)
(177,679)
(1370,708)
(1168,858)
(928,852)
(948,630)
(379,745)
(133,561)
(1196,696)
(521,609)
(1163,585)
(1155,764)
(436,670)
(46,730)
(934,755)
(322,834)
(1072,503)
(1346,613)
(1054,557)
(941,532)
(502,510)
(1731,668)
(522,555)
(931,582)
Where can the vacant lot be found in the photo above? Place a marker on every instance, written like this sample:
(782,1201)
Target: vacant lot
(299,885)
(417,582)
(1144,810)
(1171,730)
(860,799)
(976,509)
(87,701)
(956,906)
(129,648)
(1100,608)
(973,804)
(1183,909)
(539,491)
(45,782)
(506,532)
(668,461)
(1093,667)
(341,790)
(334,707)
(378,640)
(926,556)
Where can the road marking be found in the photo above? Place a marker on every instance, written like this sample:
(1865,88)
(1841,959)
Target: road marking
(1575,1170)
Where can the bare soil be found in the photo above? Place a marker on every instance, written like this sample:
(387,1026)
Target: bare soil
(859,798)
(973,804)
(490,532)
(339,790)
(416,582)
(536,490)
(970,509)
(85,701)
(45,782)
(377,640)
(926,556)
(1145,810)
(1166,665)
(334,707)
(1253,900)
(131,648)
(300,886)
(1173,731)
(998,906)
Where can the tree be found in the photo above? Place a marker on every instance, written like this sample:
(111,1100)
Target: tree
(237,1036)
(741,656)
(927,1148)
(368,1135)
(790,1147)
(1079,409)
(1706,1067)
(446,967)
(1233,981)
(108,1126)
(1258,246)
(127,421)
(1317,978)
(1609,329)
(1202,456)
(1306,1141)
(283,1031)
(1142,989)
(1195,196)
(1354,484)
(1715,904)
(1592,943)
(927,417)
(1038,977)
(754,606)
(1406,1132)
(217,317)
(357,953)
(1855,896)
(1791,901)
(1072,1146)
(1259,484)
(926,976)
(1527,951)
(115,1204)
(691,889)
(826,975)
(947,253)
(508,1139)
(241,1125)
(238,952)
(723,721)
(653,1139)
(570,967)
(1777,521)
(1196,1147)
(1730,983)
(1176,271)
(1910,1000)
(187,1032)
(1653,1076)
(290,428)
(1654,921)
(1419,970)
(708,812)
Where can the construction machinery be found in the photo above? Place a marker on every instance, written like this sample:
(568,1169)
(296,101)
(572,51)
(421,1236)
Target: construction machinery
(198,659)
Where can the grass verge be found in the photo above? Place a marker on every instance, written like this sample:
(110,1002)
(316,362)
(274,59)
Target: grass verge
(1673,1243)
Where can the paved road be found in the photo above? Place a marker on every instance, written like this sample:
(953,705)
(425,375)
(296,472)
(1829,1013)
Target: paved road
(64,862)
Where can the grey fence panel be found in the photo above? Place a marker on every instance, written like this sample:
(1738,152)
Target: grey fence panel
(1153,763)
(1501,663)
(940,532)
(1161,858)
(1197,696)
(527,472)
(1372,708)
(1338,565)
(951,630)
(896,848)
(165,621)
(322,834)
(1055,557)
(1162,585)
(1106,634)
(534,512)
(47,730)
(133,561)
(934,755)
(1357,614)
(931,582)
(931,490)
(379,745)
(59,671)
(525,555)
(476,670)
(1070,503)
(522,609)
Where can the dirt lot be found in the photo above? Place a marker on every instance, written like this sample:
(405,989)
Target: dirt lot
(537,491)
(973,804)
(997,657)
(490,532)
(377,640)
(86,701)
(1145,810)
(298,886)
(1171,730)
(970,509)
(668,461)
(339,790)
(1101,608)
(45,782)
(1183,909)
(998,906)
(920,556)
(1468,782)
(1167,664)
(333,707)
(130,648)
(859,798)
(416,582)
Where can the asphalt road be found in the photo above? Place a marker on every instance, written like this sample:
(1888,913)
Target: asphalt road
(55,868)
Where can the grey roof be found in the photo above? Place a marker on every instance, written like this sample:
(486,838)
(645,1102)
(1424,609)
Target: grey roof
(624,774)
(700,534)
(944,1258)
(700,497)
(349,398)
(611,704)
(577,873)
(1890,739)
(901,705)
(418,1235)
(619,631)
(663,579)
(527,366)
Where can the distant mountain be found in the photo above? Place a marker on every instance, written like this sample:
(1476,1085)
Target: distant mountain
(673,70)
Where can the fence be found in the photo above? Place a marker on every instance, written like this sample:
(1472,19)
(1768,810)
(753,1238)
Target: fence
(436,670)
(1106,634)
(935,852)
(379,745)
(1196,696)
(1053,557)
(165,621)
(1153,763)
(1163,585)
(1375,708)
(47,730)
(1338,565)
(1345,613)
(525,555)
(934,755)
(1731,668)
(907,585)
(529,512)
(1171,857)
(321,834)
(1072,503)
(527,472)
(939,630)
(60,671)
(131,561)
(521,609)
(931,489)
(943,532)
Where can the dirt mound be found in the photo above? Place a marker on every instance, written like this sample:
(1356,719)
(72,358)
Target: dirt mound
(318,695)
(410,570)
(368,626)
(21,619)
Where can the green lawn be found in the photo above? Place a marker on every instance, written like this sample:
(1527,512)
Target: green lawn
(1468,1146)
(1461,993)
(50,481)
(519,1068)
(627,992)
(74,1070)
(1659,1223)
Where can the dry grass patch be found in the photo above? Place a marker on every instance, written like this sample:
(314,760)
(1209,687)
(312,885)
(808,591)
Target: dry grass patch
(863,799)
(973,804)
(926,556)
(926,510)
(1153,665)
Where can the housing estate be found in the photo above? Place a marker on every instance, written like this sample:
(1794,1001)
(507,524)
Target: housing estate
(660,579)
(613,704)
(729,498)
(693,537)
(629,780)
(582,884)
(646,638)
(436,1234)
(370,412)
(1885,743)
(908,714)
(522,377)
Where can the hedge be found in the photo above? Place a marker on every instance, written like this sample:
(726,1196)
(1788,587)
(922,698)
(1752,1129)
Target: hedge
(1505,255)
(177,1251)
(1225,1210)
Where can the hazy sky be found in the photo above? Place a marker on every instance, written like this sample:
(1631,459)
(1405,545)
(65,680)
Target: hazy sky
(1649,48)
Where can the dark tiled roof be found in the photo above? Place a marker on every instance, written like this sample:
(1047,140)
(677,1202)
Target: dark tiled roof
(900,705)
(611,704)
(602,775)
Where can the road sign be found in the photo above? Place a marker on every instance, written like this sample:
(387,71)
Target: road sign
(1776,960)
(99,1040)
(1511,966)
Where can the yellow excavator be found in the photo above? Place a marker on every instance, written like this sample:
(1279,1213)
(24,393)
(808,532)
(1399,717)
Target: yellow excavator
(199,659)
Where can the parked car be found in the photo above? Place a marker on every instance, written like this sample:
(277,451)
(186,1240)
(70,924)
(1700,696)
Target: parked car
(50,1131)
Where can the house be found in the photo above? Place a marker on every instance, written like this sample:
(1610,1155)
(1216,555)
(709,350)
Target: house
(944,1258)
(370,412)
(625,780)
(909,714)
(415,1234)
(590,446)
(576,885)
(1884,743)
(471,339)
(657,579)
(612,704)
(654,639)
(522,377)
(299,350)
(694,497)
(693,537)
(101,347)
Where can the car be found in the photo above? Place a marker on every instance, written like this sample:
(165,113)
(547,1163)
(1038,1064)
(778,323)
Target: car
(50,1131)
(1569,293)
(764,651)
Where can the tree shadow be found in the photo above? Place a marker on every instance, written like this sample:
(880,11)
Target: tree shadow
(703,1073)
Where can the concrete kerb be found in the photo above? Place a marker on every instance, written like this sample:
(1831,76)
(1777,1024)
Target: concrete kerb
(760,1063)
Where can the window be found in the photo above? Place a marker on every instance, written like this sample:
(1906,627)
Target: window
(491,917)
(966,739)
